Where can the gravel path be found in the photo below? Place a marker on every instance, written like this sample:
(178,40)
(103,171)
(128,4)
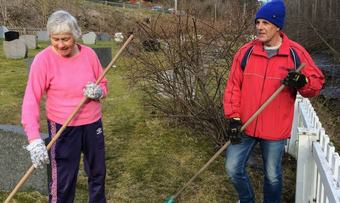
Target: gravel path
(15,161)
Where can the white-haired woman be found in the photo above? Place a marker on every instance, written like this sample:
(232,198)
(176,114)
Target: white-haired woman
(66,71)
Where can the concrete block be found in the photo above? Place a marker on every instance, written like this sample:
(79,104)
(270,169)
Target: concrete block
(16,49)
(89,38)
(30,40)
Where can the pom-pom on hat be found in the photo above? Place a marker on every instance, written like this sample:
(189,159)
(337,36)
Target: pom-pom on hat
(273,11)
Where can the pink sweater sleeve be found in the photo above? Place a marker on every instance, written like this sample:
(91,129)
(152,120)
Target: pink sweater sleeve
(35,89)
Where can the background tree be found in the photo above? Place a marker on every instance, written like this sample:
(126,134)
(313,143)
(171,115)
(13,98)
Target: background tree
(315,24)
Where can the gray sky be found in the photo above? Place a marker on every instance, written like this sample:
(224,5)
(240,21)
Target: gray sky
(264,1)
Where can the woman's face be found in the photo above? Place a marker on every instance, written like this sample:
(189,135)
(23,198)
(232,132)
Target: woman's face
(63,44)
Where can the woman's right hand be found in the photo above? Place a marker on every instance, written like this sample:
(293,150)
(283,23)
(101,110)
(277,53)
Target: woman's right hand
(38,152)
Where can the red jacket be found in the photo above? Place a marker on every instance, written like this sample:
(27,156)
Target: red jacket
(248,89)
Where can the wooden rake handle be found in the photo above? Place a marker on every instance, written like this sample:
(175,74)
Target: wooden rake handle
(262,107)
(74,113)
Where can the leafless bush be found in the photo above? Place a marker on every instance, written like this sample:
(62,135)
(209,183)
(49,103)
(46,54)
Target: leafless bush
(181,63)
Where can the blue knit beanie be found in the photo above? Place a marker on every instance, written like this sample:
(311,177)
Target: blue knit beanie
(273,11)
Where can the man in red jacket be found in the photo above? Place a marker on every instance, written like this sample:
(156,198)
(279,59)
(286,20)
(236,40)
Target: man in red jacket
(271,59)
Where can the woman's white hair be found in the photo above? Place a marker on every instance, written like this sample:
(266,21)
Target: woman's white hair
(63,22)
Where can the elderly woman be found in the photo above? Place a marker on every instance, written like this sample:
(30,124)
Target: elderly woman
(66,71)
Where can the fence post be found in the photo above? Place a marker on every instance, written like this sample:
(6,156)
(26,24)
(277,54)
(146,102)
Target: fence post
(291,147)
(305,166)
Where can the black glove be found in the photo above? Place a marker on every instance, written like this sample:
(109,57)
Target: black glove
(234,130)
(295,79)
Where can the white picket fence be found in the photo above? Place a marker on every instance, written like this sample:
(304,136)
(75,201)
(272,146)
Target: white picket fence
(318,165)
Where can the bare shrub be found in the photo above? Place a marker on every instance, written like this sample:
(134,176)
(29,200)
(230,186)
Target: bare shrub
(181,63)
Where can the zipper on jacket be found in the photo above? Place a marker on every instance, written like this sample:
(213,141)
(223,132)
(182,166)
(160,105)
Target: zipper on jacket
(264,79)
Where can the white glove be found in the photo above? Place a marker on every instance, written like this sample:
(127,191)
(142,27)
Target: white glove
(38,151)
(93,91)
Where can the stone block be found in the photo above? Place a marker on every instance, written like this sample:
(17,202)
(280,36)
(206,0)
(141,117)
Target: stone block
(43,36)
(89,38)
(104,54)
(3,29)
(104,36)
(16,49)
(15,161)
(30,40)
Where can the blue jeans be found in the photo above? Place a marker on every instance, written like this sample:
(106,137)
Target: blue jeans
(237,156)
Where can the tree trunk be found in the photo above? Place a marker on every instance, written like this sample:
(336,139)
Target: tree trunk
(330,10)
(315,9)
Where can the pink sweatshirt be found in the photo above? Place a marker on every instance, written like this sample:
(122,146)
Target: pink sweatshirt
(63,80)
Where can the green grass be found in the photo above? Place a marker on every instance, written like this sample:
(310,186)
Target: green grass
(147,160)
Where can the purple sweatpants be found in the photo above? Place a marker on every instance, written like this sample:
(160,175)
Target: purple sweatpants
(65,158)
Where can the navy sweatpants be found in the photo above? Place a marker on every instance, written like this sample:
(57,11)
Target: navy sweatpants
(65,158)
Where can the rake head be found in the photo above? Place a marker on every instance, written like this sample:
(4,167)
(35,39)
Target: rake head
(170,199)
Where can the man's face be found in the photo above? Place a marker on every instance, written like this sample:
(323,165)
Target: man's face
(63,44)
(266,32)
